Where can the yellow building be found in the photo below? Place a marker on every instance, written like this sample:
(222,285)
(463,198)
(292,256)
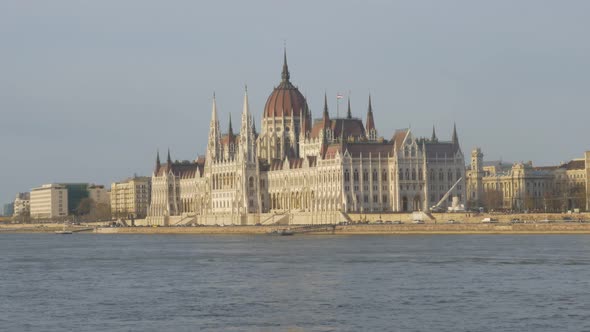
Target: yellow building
(131,197)
(522,186)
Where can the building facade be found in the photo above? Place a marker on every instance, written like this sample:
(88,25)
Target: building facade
(99,194)
(131,198)
(22,204)
(49,201)
(522,186)
(300,166)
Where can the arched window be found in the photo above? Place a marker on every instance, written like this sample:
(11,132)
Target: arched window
(356,175)
(413,174)
(441,175)
(450,176)
(407,173)
(346,176)
(432,175)
(420,174)
(375,178)
(365,176)
(401,174)
(384,175)
(251,182)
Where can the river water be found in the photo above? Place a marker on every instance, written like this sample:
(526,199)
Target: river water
(88,282)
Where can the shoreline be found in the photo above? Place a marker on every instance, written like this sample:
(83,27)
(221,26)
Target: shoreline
(365,229)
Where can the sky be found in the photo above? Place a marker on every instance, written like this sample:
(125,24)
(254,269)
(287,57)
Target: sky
(90,90)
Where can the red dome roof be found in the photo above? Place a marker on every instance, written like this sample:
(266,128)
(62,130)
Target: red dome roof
(285,100)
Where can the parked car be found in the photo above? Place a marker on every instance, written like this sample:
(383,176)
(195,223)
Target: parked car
(398,222)
(489,220)
(452,221)
(418,221)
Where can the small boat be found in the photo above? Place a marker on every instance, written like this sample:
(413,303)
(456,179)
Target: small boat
(281,232)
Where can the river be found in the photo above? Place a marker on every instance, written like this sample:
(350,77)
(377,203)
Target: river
(90,282)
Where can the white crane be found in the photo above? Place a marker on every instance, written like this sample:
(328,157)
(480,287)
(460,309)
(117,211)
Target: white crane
(435,207)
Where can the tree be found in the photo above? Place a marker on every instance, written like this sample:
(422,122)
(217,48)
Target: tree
(85,207)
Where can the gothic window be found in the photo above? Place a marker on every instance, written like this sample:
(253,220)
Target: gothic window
(251,182)
(375,179)
(407,173)
(450,176)
(365,176)
(413,152)
(366,198)
(356,175)
(432,175)
(384,175)
(375,199)
(458,173)
(413,174)
(346,176)
(420,174)
(401,174)
(441,175)
(384,198)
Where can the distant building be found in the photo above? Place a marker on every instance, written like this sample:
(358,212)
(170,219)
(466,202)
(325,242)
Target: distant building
(99,194)
(49,201)
(22,204)
(131,197)
(522,186)
(8,209)
(76,193)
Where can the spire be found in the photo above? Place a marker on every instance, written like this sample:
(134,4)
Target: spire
(349,113)
(370,125)
(214,109)
(158,164)
(285,75)
(326,115)
(230,130)
(168,159)
(433,138)
(455,138)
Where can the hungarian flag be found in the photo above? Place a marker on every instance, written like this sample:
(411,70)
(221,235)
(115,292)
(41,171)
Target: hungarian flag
(339,96)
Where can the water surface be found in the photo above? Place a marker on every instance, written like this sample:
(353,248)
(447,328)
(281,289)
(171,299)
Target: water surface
(88,282)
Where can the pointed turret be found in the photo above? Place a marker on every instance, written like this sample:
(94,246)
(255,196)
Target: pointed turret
(433,138)
(158,164)
(285,74)
(455,138)
(349,112)
(326,115)
(247,137)
(230,130)
(168,159)
(370,124)
(213,147)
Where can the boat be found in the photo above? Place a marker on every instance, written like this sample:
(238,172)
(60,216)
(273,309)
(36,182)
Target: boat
(281,232)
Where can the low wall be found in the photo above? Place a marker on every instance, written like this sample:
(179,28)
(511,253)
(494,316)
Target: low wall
(468,217)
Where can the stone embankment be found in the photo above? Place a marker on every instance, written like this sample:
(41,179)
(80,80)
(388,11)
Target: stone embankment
(500,228)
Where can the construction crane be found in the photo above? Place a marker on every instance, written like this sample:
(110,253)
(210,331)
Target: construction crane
(445,196)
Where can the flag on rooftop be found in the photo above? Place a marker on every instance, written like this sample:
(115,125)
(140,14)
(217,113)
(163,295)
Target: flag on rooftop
(339,96)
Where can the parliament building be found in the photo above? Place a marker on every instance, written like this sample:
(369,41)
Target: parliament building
(301,170)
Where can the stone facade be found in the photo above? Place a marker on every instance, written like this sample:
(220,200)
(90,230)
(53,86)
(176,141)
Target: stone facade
(299,166)
(131,197)
(22,204)
(522,186)
(49,201)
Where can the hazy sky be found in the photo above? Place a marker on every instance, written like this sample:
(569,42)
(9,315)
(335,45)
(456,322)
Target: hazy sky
(90,89)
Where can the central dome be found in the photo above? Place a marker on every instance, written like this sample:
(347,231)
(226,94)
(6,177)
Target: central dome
(285,99)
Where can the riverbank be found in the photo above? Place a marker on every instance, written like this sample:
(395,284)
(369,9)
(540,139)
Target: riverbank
(403,229)
(407,228)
